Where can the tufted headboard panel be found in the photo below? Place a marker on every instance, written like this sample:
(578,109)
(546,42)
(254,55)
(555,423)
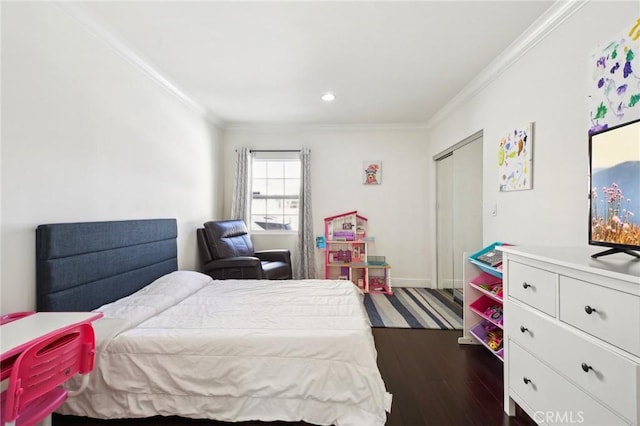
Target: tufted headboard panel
(81,266)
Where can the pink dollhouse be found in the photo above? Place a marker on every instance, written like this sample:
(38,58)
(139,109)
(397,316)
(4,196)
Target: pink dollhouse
(346,254)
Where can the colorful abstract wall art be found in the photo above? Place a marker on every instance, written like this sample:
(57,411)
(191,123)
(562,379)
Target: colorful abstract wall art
(515,159)
(614,85)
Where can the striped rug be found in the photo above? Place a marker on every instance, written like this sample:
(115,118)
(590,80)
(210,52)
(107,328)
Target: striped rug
(412,308)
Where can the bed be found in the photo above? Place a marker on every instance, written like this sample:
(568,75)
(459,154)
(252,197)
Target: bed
(177,343)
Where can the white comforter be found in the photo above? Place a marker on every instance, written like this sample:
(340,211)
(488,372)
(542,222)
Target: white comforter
(236,350)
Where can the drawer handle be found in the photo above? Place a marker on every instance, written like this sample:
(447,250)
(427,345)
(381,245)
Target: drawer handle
(586,367)
(523,328)
(589,310)
(526,285)
(526,380)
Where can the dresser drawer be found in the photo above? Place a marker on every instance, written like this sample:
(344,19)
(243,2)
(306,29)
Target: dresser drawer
(530,330)
(553,399)
(533,286)
(614,316)
(610,378)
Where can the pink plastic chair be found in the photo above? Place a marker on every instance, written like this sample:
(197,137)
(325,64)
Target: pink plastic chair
(35,387)
(7,364)
(7,318)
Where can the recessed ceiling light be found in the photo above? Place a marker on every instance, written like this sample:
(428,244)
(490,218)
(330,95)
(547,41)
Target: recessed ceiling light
(328,97)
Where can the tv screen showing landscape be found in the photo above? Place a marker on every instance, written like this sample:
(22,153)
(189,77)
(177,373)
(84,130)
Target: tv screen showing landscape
(615,186)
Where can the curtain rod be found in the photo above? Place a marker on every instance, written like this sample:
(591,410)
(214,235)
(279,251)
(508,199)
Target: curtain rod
(274,150)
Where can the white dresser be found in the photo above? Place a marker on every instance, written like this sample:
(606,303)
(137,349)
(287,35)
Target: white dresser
(572,336)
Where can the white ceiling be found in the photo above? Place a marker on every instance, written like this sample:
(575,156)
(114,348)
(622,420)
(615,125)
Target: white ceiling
(269,62)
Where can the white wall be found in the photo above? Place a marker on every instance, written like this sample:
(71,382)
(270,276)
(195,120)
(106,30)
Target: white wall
(396,209)
(547,86)
(87,136)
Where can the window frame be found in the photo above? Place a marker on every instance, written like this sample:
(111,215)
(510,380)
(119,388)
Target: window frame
(275,156)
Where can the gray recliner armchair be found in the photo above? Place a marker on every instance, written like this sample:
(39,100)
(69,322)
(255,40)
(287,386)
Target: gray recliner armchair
(227,252)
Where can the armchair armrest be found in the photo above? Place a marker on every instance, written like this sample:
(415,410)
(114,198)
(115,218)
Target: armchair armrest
(242,267)
(274,255)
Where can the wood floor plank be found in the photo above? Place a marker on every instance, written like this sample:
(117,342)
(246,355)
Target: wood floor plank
(388,364)
(438,374)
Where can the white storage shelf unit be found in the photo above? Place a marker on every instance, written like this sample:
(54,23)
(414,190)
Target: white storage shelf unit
(482,304)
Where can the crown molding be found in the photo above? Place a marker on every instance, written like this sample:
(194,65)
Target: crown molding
(534,34)
(279,127)
(538,31)
(107,36)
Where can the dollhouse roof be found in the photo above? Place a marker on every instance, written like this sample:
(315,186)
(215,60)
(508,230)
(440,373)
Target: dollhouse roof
(338,216)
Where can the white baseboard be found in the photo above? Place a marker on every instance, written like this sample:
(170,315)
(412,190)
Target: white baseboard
(410,282)
(419,282)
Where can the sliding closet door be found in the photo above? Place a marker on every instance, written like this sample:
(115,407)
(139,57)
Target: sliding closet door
(467,207)
(459,211)
(444,222)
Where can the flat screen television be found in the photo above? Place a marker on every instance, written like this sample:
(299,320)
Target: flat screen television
(614,181)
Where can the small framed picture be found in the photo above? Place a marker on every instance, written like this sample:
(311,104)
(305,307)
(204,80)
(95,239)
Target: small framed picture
(372,172)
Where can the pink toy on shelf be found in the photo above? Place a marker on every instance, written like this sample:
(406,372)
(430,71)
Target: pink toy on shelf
(346,235)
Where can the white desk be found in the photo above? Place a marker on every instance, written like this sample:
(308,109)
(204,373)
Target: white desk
(19,334)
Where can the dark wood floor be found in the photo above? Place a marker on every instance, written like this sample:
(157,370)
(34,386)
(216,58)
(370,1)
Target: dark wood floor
(434,381)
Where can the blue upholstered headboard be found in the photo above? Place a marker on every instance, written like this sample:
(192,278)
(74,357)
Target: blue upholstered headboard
(82,266)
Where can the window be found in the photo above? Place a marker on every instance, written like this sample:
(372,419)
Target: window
(275,191)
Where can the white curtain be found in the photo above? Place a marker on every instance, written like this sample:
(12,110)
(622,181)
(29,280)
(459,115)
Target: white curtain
(305,264)
(240,201)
